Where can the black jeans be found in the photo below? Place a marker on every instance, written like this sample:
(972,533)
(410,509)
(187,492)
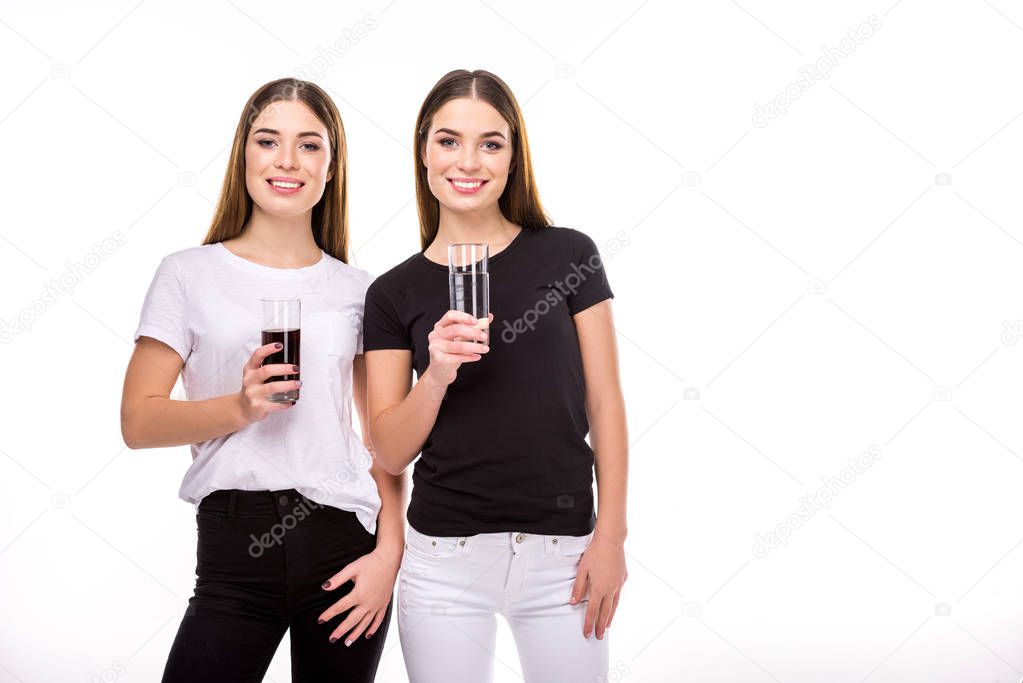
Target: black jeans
(261,559)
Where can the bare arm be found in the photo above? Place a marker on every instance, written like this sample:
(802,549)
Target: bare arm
(602,569)
(373,574)
(605,409)
(151,419)
(401,416)
(391,520)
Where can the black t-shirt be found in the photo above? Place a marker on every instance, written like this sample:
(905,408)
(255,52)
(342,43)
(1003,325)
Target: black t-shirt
(508,450)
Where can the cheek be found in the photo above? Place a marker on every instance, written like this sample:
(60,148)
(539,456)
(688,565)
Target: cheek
(318,167)
(499,167)
(434,166)
(499,164)
(254,158)
(254,165)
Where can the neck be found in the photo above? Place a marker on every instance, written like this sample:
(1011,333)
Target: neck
(279,241)
(488,227)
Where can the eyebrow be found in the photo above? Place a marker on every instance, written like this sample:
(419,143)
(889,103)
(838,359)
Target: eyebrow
(490,134)
(271,131)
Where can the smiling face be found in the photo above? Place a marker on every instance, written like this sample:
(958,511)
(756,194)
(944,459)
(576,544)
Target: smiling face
(287,159)
(467,155)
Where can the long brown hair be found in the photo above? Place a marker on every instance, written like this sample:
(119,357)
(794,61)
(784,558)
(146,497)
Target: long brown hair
(520,201)
(330,215)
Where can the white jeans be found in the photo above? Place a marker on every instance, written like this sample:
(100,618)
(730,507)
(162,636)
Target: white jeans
(451,590)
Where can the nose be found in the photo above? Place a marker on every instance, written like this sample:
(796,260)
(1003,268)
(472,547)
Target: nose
(285,159)
(469,160)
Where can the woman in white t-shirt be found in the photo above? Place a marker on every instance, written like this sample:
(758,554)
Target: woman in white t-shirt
(287,496)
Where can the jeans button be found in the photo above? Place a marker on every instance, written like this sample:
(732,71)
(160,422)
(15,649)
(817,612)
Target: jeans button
(520,538)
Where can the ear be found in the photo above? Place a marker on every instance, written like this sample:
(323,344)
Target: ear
(330,173)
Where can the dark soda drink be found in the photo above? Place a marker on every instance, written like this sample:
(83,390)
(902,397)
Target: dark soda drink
(289,355)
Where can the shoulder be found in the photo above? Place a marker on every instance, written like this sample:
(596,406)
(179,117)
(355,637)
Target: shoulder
(566,240)
(562,235)
(342,274)
(190,260)
(397,278)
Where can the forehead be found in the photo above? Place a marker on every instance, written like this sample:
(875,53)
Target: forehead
(469,116)
(290,116)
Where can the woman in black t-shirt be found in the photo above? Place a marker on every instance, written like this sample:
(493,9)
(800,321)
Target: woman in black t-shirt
(502,516)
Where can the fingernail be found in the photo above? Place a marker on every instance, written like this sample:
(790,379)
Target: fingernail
(572,600)
(333,639)
(278,345)
(486,348)
(298,382)
(294,368)
(319,621)
(368,636)
(326,584)
(348,643)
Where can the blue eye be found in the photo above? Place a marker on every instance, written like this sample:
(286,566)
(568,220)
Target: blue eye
(313,147)
(495,147)
(444,142)
(260,142)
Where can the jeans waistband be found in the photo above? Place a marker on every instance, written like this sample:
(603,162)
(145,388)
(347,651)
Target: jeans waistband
(234,502)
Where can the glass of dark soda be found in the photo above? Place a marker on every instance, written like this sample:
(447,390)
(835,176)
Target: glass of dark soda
(282,320)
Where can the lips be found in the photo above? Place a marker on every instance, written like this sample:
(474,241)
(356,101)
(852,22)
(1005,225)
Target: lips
(285,185)
(467,185)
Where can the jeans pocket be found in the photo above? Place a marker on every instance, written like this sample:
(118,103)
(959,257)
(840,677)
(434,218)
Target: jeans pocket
(208,521)
(432,547)
(573,547)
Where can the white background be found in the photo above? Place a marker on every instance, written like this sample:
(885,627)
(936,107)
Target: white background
(790,296)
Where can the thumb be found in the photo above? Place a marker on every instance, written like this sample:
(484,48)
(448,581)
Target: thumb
(579,586)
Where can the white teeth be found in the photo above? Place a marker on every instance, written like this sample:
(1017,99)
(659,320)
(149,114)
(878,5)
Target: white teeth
(467,186)
(290,186)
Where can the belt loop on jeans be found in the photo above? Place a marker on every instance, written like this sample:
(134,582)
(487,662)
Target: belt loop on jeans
(232,504)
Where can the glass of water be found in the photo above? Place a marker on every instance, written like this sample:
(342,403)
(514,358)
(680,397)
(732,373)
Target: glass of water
(469,280)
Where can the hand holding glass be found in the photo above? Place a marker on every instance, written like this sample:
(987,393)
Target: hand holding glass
(469,281)
(282,325)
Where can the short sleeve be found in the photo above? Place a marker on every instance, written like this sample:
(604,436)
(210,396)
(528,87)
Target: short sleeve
(587,280)
(365,282)
(381,325)
(164,312)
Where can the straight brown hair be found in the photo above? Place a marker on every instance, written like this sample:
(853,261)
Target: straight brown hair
(330,215)
(520,201)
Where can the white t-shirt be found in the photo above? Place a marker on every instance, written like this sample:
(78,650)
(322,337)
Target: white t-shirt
(204,302)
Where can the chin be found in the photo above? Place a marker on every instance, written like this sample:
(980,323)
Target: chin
(275,206)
